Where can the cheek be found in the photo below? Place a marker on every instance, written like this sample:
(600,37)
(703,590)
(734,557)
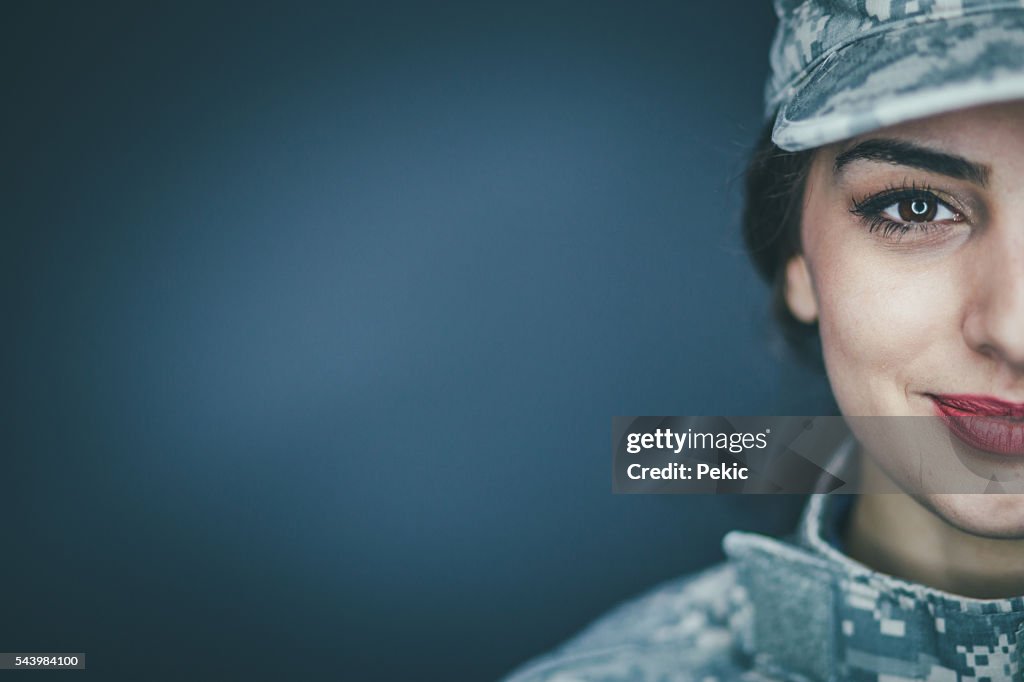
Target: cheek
(885,321)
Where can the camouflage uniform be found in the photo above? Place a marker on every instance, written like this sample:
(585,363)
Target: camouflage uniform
(795,609)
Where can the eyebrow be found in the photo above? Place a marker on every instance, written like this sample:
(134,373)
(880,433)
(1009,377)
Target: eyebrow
(900,153)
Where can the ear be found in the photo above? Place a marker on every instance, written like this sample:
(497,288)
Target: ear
(800,295)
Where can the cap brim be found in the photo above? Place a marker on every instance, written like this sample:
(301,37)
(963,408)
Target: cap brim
(907,73)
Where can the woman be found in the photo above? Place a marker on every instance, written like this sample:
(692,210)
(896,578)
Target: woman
(885,204)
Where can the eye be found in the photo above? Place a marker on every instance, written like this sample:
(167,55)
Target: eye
(921,209)
(900,210)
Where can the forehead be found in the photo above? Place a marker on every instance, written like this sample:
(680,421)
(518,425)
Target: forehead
(991,136)
(979,132)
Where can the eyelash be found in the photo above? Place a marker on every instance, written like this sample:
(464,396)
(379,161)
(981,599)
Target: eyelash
(870,209)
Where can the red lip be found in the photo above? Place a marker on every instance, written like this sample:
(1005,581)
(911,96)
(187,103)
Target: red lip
(984,422)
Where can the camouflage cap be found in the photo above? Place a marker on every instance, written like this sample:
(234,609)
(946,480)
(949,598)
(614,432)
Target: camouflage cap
(845,67)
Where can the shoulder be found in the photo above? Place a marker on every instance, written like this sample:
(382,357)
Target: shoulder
(686,628)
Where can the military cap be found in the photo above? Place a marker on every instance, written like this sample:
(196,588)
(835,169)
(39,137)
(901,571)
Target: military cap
(841,68)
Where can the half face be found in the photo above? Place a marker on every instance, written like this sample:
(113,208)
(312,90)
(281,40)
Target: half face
(913,266)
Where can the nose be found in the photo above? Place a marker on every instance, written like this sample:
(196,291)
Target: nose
(994,322)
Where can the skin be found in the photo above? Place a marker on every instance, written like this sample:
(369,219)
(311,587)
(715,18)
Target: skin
(933,311)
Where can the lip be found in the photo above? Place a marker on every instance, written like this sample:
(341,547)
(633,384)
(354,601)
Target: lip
(984,422)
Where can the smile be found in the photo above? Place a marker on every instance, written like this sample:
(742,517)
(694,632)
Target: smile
(984,422)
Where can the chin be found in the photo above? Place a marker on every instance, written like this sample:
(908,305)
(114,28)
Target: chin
(984,515)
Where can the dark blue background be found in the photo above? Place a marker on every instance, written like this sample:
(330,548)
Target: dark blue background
(317,316)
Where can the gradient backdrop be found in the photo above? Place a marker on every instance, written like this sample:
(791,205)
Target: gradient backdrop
(317,316)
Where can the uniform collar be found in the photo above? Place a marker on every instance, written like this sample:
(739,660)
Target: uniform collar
(815,612)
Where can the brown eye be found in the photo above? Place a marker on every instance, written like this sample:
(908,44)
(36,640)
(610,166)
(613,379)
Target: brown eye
(902,210)
(918,210)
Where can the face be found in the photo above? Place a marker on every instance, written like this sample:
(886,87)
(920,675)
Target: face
(913,266)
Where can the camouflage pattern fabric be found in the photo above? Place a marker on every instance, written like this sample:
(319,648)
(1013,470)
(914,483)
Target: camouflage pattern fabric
(796,610)
(841,68)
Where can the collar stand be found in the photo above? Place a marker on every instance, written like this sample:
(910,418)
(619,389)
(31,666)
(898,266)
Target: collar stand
(819,615)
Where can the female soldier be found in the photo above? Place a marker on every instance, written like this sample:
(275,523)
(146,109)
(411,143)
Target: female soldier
(885,204)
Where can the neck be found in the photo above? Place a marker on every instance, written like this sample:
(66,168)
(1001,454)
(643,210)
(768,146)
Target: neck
(896,534)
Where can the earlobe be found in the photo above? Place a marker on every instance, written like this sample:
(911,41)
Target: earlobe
(800,296)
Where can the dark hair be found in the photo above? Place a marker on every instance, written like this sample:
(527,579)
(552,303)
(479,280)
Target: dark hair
(775,182)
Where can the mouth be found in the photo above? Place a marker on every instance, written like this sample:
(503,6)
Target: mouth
(983,422)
